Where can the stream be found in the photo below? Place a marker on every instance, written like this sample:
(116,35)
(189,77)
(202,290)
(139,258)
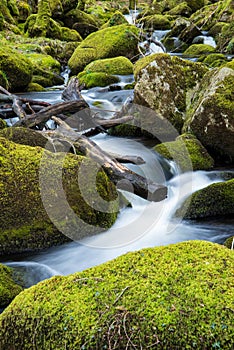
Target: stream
(145,224)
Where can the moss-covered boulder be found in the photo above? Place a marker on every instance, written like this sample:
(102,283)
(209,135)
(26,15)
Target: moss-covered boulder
(5,14)
(25,136)
(210,116)
(110,42)
(182,9)
(225,39)
(199,49)
(162,84)
(214,60)
(213,201)
(76,16)
(117,65)
(172,297)
(117,19)
(29,191)
(16,68)
(3,124)
(156,22)
(187,152)
(209,15)
(43,61)
(90,80)
(25,10)
(8,288)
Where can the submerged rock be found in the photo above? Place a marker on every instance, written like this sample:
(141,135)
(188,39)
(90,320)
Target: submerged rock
(212,201)
(177,296)
(110,42)
(8,287)
(42,202)
(210,116)
(188,153)
(163,81)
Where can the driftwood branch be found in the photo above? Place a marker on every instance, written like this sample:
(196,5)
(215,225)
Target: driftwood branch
(121,176)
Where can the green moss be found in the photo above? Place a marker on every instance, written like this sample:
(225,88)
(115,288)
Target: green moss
(115,20)
(117,65)
(214,60)
(25,10)
(159,22)
(187,152)
(24,136)
(45,62)
(3,80)
(106,43)
(17,69)
(25,224)
(199,49)
(178,297)
(3,124)
(182,9)
(96,79)
(8,288)
(212,201)
(32,87)
(229,64)
(77,16)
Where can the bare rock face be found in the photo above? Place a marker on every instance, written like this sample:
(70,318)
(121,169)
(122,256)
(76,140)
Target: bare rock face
(164,83)
(211,114)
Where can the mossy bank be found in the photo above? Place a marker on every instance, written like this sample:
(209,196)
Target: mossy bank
(174,297)
(32,181)
(8,288)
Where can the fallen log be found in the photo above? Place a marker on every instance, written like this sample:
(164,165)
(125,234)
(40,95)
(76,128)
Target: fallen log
(41,117)
(120,175)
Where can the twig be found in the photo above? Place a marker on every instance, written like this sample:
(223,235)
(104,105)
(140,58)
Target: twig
(120,295)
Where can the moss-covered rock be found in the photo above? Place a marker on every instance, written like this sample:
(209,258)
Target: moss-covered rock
(155,22)
(25,10)
(8,288)
(173,297)
(111,42)
(156,88)
(24,136)
(17,69)
(35,87)
(229,242)
(45,62)
(186,147)
(210,116)
(182,9)
(118,65)
(208,16)
(199,49)
(213,201)
(101,79)
(25,224)
(3,124)
(229,64)
(77,16)
(214,60)
(115,20)
(225,40)
(3,79)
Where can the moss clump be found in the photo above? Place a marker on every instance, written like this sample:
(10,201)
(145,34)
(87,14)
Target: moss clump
(115,20)
(210,116)
(212,201)
(106,43)
(229,64)
(16,68)
(199,49)
(3,124)
(77,16)
(159,22)
(24,136)
(155,88)
(182,9)
(35,87)
(45,62)
(25,224)
(177,297)
(8,288)
(214,60)
(118,65)
(187,152)
(101,79)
